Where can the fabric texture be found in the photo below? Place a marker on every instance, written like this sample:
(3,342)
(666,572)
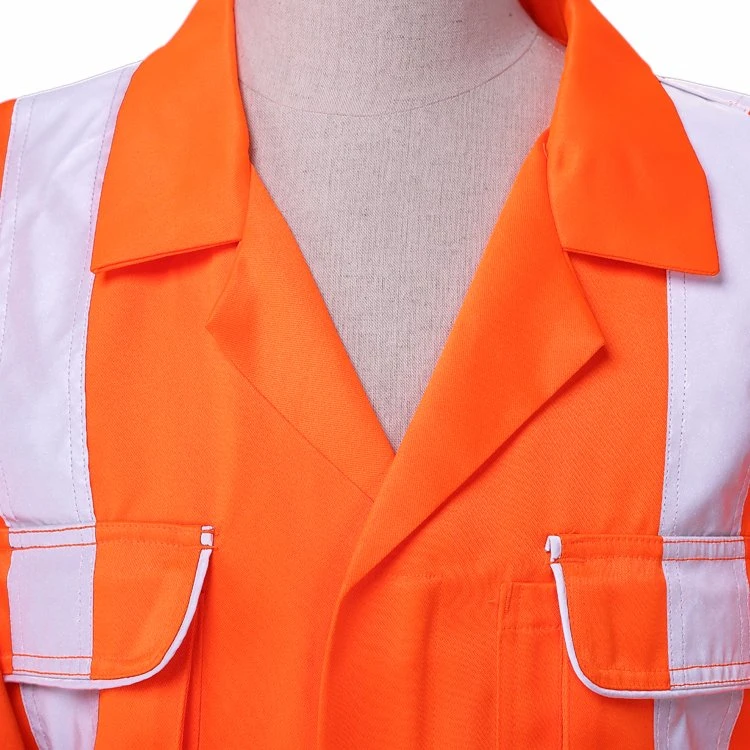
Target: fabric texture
(555,556)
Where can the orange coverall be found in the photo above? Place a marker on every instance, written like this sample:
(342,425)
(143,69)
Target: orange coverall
(208,541)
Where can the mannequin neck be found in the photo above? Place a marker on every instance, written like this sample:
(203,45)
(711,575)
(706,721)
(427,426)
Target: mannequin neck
(366,58)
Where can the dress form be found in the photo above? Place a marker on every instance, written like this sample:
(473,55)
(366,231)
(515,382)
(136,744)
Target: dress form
(389,136)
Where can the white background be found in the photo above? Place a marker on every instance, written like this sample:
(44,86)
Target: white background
(46,43)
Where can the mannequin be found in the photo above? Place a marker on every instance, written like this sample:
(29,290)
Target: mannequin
(389,135)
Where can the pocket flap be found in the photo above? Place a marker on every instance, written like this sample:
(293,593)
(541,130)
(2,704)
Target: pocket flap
(99,605)
(654,616)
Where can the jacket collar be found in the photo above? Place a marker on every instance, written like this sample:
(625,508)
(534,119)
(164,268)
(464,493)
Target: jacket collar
(179,168)
(623,178)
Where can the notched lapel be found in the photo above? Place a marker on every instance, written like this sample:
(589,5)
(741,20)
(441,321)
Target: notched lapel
(271,322)
(524,329)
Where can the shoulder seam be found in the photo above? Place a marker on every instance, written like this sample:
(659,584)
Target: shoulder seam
(727,97)
(72,84)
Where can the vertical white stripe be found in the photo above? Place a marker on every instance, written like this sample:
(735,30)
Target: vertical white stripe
(707,461)
(57,152)
(703,722)
(61,718)
(708,613)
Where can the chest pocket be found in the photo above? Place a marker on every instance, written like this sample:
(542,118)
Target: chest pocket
(646,643)
(93,610)
(641,641)
(654,616)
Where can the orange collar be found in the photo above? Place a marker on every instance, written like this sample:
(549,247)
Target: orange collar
(623,178)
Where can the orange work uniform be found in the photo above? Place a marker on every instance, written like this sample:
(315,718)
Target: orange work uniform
(208,541)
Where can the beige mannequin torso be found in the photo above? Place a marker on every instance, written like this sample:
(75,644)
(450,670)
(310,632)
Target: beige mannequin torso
(389,136)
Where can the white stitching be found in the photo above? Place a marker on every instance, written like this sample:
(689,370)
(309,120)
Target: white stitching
(6,488)
(79,600)
(682,403)
(723,722)
(89,242)
(3,202)
(740,502)
(39,721)
(670,389)
(741,619)
(683,658)
(668,722)
(76,306)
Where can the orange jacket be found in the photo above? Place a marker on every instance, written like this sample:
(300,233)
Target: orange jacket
(208,540)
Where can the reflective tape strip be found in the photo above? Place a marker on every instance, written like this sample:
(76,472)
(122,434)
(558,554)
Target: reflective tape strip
(57,152)
(707,458)
(707,589)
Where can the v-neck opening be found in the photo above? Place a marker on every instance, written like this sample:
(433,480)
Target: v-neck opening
(441,362)
(522,330)
(388,457)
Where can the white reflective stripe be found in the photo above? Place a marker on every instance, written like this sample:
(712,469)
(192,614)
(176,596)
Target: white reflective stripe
(685,723)
(58,147)
(707,458)
(706,592)
(61,718)
(57,152)
(50,618)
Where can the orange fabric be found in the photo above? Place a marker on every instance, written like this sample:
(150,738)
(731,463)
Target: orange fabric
(529,632)
(5,639)
(178,164)
(15,730)
(152,713)
(617,603)
(143,578)
(656,212)
(556,711)
(6,116)
(647,201)
(360,597)
(357,597)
